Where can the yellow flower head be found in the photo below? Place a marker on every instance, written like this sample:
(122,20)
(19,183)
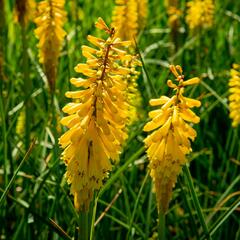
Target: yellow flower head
(200,13)
(128,17)
(125,19)
(134,97)
(168,144)
(234,97)
(50,20)
(97,115)
(24,11)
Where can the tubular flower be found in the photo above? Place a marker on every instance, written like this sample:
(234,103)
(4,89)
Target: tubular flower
(200,14)
(24,11)
(125,19)
(97,115)
(50,21)
(170,142)
(234,98)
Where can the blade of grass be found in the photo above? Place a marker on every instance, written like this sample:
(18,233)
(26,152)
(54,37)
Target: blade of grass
(49,222)
(196,202)
(136,203)
(223,218)
(224,195)
(17,170)
(153,89)
(116,175)
(4,136)
(215,94)
(188,206)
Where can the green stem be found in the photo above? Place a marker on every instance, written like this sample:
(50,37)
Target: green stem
(93,217)
(4,139)
(27,86)
(196,202)
(83,232)
(161,226)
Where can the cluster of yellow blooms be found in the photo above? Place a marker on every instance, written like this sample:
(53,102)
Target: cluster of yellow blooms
(97,116)
(50,20)
(128,17)
(234,97)
(200,14)
(170,142)
(134,97)
(24,11)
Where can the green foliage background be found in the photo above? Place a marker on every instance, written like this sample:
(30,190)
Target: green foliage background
(38,202)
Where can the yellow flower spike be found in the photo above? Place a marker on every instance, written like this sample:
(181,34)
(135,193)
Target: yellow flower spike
(50,19)
(133,93)
(170,141)
(125,16)
(97,115)
(234,97)
(200,14)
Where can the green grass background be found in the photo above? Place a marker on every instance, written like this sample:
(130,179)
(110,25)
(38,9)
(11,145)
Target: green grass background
(38,204)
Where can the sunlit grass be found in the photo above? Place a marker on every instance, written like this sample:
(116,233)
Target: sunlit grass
(35,199)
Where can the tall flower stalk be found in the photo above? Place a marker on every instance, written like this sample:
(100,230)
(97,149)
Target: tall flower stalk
(97,115)
(174,13)
(2,33)
(234,97)
(129,17)
(50,19)
(169,143)
(24,12)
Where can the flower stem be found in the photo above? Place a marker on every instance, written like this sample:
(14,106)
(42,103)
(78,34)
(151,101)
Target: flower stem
(83,232)
(27,86)
(161,225)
